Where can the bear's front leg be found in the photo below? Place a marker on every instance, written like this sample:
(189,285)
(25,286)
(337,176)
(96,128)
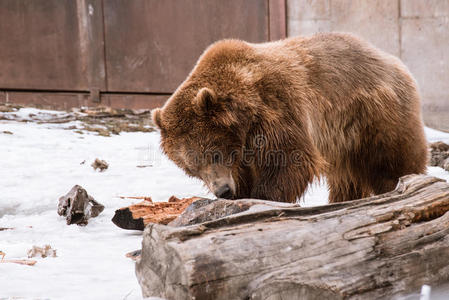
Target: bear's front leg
(284,164)
(282,184)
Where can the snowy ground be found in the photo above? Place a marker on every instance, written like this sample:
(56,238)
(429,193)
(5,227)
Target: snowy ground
(41,162)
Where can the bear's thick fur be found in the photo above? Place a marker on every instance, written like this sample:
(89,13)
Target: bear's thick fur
(263,120)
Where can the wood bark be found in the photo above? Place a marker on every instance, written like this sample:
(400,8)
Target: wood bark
(138,215)
(382,247)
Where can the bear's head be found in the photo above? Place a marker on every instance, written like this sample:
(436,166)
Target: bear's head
(206,123)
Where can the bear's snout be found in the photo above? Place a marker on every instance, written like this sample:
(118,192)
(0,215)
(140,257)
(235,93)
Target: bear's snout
(219,180)
(224,192)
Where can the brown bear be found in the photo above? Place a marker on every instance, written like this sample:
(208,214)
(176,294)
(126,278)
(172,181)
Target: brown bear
(263,120)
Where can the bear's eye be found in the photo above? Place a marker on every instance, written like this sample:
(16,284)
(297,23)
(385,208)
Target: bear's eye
(216,158)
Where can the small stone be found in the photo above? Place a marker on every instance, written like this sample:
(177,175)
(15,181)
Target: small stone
(134,255)
(100,164)
(6,108)
(439,155)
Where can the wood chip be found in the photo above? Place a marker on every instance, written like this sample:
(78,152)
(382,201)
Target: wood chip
(27,262)
(137,216)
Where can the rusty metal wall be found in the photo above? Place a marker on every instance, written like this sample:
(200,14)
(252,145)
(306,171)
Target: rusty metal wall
(40,45)
(65,53)
(155,53)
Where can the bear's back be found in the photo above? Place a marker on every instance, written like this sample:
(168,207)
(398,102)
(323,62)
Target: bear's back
(340,66)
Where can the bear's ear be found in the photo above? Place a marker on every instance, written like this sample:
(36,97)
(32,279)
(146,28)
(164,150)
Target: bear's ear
(156,117)
(204,101)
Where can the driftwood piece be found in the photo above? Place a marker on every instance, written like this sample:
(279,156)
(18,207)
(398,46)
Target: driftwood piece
(6,228)
(78,207)
(382,247)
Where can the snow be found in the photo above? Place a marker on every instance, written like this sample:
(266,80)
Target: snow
(41,162)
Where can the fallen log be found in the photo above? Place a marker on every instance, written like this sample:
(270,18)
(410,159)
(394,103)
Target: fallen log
(381,247)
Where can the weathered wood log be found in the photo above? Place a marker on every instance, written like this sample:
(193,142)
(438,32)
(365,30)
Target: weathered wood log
(380,247)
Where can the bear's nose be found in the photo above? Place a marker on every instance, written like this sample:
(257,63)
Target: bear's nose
(224,192)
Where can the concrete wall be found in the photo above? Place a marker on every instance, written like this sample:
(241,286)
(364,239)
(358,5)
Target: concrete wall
(417,31)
